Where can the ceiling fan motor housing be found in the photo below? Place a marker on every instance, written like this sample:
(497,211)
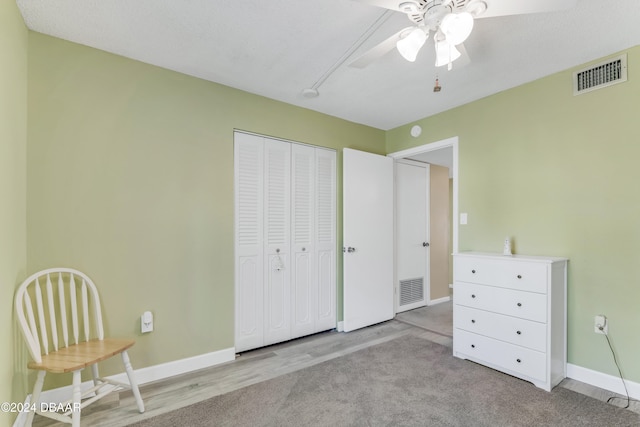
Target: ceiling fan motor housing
(431,12)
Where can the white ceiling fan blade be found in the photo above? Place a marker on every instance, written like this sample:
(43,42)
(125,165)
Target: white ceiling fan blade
(464,59)
(520,7)
(379,50)
(387,4)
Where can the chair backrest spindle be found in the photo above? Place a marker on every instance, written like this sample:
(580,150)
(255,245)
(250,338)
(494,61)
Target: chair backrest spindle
(34,341)
(52,314)
(41,318)
(63,310)
(74,308)
(85,310)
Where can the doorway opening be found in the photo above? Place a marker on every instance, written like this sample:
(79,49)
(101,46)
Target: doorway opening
(436,315)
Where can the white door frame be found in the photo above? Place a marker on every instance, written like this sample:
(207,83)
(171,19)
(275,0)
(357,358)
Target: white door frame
(434,146)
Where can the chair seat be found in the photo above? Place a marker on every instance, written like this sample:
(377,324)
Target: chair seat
(81,355)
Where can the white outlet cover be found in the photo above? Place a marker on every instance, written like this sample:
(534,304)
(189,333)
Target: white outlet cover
(463,218)
(600,320)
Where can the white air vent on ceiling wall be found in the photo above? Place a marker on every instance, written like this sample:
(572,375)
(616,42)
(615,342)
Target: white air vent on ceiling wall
(601,75)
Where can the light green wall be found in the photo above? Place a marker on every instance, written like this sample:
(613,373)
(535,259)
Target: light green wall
(559,174)
(131,180)
(13,180)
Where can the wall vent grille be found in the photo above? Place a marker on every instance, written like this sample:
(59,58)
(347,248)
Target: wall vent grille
(411,290)
(601,75)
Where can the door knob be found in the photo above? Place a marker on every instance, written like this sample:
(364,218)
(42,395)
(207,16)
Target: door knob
(425,244)
(350,249)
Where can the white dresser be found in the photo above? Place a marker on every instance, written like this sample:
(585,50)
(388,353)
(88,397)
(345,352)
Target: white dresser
(509,313)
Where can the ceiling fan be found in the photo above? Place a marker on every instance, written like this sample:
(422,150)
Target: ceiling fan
(450,21)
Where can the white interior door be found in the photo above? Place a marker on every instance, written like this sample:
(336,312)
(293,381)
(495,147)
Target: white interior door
(367,238)
(412,238)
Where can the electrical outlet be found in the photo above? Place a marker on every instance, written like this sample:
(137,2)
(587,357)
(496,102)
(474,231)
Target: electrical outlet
(601,326)
(146,322)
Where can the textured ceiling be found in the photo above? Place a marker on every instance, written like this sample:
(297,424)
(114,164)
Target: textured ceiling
(277,48)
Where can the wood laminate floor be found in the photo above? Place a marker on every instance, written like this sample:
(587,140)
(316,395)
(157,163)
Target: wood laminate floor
(432,323)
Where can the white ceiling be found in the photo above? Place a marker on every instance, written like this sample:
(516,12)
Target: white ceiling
(277,48)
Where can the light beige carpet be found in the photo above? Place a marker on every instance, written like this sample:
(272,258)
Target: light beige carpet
(408,381)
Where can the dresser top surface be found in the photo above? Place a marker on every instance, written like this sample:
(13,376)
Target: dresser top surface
(495,255)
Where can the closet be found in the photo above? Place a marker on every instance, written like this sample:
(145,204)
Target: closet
(285,240)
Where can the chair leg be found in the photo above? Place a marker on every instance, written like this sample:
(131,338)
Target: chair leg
(132,380)
(35,396)
(96,375)
(77,397)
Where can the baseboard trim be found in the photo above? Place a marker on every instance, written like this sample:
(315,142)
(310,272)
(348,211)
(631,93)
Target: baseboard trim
(439,300)
(340,327)
(602,380)
(146,375)
(177,367)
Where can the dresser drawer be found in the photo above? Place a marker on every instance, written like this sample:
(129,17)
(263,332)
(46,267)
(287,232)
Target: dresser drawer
(507,273)
(500,354)
(525,333)
(526,305)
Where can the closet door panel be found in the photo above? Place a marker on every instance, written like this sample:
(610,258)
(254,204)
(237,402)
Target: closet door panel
(325,238)
(302,226)
(277,236)
(249,241)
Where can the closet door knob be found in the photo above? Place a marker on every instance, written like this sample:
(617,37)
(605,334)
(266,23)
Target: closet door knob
(518,360)
(519,276)
(519,304)
(473,295)
(473,271)
(518,332)
(473,321)
(473,346)
(425,244)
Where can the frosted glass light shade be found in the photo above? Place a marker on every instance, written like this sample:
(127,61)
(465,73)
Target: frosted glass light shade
(446,53)
(457,27)
(411,44)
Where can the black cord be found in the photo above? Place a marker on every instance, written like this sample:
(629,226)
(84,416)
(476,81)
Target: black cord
(615,360)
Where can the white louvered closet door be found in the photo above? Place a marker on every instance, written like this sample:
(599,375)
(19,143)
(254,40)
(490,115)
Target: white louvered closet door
(249,231)
(277,234)
(304,282)
(314,240)
(285,240)
(325,239)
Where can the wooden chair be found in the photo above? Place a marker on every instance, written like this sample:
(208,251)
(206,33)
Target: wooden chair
(69,310)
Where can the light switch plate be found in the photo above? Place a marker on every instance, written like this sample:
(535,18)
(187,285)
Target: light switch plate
(463,218)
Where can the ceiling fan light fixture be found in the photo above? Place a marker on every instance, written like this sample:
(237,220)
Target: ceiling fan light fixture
(446,53)
(457,27)
(410,45)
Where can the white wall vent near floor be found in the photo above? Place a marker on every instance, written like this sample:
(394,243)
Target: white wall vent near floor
(601,75)
(411,291)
